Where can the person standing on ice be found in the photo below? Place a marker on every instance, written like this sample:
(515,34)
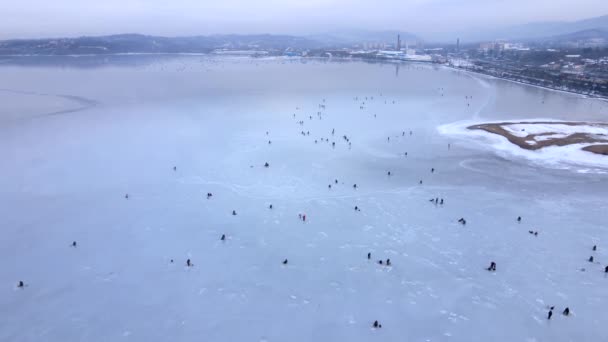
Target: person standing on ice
(492,266)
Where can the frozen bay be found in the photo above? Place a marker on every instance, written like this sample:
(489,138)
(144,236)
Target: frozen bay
(77,134)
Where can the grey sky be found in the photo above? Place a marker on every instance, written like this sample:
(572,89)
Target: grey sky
(428,18)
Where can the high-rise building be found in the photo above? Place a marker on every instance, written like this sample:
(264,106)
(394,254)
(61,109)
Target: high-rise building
(398,42)
(457,44)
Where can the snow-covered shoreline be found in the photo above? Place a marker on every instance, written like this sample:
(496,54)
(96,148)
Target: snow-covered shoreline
(570,156)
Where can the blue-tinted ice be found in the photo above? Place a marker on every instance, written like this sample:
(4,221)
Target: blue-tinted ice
(65,174)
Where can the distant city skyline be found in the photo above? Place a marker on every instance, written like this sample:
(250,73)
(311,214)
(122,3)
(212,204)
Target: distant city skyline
(430,19)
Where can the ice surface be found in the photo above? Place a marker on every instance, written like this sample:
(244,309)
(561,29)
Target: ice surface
(64,178)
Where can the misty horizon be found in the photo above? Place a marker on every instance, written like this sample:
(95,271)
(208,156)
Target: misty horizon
(431,20)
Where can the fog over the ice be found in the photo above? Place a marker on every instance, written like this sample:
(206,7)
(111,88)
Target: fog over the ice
(427,18)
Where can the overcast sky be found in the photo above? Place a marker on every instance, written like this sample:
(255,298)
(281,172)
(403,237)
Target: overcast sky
(427,18)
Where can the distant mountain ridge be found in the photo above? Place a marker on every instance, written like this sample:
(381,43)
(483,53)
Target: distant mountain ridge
(549,29)
(588,31)
(138,43)
(589,37)
(537,30)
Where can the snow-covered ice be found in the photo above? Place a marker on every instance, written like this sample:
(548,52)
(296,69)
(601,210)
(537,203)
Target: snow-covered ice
(524,129)
(64,178)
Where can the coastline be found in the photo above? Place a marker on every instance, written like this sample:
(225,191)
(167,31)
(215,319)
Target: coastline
(574,157)
(597,149)
(541,139)
(588,96)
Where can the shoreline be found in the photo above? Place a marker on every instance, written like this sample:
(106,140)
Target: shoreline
(573,157)
(597,149)
(597,143)
(587,96)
